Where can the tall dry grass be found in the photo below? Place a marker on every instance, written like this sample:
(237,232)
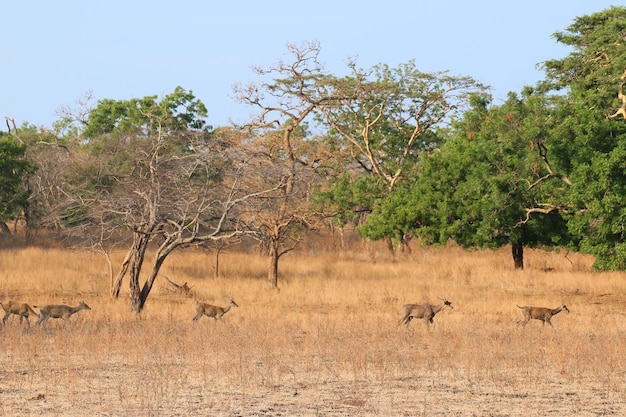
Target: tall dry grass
(326,343)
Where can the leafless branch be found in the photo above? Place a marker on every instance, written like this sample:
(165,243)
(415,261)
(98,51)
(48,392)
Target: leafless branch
(15,131)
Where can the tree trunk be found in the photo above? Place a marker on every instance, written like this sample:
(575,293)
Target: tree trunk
(137,258)
(273,270)
(342,238)
(117,285)
(518,255)
(390,247)
(216,269)
(4,228)
(135,293)
(147,286)
(405,246)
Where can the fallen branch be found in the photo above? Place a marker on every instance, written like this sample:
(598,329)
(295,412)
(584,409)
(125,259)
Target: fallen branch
(184,288)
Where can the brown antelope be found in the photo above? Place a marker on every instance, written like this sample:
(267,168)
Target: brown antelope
(59,312)
(212,311)
(20,309)
(540,313)
(422,311)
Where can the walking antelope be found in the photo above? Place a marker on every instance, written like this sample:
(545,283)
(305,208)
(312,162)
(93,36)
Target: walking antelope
(59,312)
(422,311)
(20,309)
(211,310)
(540,313)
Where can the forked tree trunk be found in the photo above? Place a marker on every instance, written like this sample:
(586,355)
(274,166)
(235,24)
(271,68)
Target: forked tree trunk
(518,255)
(405,247)
(138,305)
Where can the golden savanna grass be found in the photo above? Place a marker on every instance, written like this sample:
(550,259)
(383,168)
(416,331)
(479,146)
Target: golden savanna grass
(326,344)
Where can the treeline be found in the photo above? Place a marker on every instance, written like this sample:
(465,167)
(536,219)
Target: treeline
(396,153)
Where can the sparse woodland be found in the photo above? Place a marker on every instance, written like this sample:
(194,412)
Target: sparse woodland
(344,198)
(393,153)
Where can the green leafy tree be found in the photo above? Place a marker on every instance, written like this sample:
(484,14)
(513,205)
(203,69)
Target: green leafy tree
(177,111)
(350,197)
(591,132)
(493,182)
(520,172)
(392,217)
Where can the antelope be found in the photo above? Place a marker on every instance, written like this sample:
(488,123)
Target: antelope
(422,311)
(20,309)
(212,311)
(540,313)
(59,312)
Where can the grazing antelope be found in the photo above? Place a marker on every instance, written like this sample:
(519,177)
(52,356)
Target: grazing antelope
(20,309)
(422,311)
(540,313)
(212,311)
(59,312)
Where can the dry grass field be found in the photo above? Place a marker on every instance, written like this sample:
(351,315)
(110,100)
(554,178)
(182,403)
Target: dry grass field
(327,344)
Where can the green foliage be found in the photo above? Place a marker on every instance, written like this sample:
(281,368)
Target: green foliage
(591,142)
(14,169)
(350,199)
(597,60)
(392,217)
(540,169)
(478,190)
(134,153)
(177,111)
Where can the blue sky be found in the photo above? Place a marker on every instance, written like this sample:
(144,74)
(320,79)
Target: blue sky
(55,52)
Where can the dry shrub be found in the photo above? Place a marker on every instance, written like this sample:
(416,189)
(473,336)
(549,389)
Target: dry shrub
(326,342)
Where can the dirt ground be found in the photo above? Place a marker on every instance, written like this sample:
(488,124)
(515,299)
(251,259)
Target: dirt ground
(65,381)
(103,393)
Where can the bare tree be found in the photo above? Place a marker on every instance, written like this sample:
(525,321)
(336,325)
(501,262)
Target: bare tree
(176,201)
(278,142)
(150,174)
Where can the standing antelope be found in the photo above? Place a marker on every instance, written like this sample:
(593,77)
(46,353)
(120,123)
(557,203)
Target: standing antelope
(212,311)
(422,311)
(540,313)
(59,312)
(20,309)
